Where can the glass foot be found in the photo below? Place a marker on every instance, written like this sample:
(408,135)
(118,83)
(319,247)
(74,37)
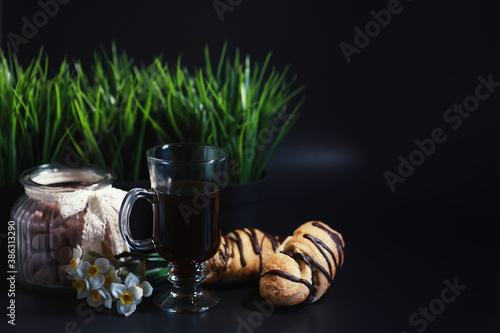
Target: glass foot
(186,294)
(174,303)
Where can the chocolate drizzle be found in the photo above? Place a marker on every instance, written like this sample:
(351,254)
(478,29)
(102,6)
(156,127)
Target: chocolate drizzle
(319,244)
(257,248)
(223,255)
(253,239)
(239,243)
(313,264)
(275,241)
(336,239)
(293,278)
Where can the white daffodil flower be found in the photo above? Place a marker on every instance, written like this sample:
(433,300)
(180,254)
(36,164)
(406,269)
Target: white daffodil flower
(96,297)
(74,263)
(146,287)
(147,290)
(128,295)
(111,277)
(81,286)
(94,273)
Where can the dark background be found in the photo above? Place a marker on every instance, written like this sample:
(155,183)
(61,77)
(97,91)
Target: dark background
(441,223)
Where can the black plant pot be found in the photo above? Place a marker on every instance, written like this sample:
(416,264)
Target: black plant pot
(241,204)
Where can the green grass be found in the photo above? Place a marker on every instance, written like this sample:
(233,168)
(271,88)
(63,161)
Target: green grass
(110,113)
(33,115)
(232,105)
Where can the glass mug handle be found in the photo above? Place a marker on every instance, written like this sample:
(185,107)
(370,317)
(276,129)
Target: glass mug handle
(124,217)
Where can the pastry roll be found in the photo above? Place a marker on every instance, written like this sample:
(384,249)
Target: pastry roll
(303,267)
(241,256)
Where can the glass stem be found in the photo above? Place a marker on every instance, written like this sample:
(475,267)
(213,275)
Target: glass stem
(186,279)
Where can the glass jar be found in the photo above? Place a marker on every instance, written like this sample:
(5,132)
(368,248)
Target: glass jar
(51,220)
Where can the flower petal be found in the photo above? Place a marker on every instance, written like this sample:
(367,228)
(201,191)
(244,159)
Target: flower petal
(92,303)
(106,301)
(117,279)
(118,289)
(77,252)
(83,268)
(147,289)
(97,282)
(82,294)
(119,307)
(136,292)
(74,276)
(102,264)
(113,273)
(125,310)
(132,280)
(68,269)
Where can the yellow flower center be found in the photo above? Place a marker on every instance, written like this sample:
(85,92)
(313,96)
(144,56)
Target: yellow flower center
(72,264)
(78,285)
(108,280)
(126,299)
(93,271)
(96,295)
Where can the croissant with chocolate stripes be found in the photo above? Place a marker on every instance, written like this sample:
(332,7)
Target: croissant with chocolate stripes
(303,267)
(241,256)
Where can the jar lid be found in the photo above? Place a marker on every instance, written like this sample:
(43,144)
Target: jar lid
(54,177)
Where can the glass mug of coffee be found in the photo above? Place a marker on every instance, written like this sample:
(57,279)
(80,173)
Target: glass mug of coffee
(186,181)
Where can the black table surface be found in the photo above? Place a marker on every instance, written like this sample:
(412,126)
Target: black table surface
(422,260)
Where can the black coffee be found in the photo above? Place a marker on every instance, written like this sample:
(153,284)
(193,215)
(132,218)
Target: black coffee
(186,222)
